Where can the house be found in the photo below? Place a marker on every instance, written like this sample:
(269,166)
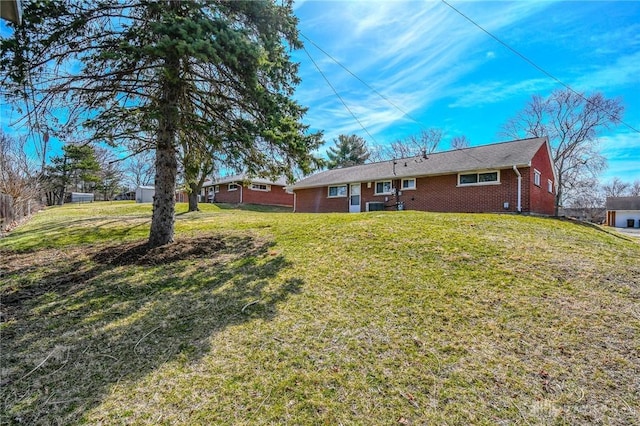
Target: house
(240,189)
(11,10)
(515,176)
(145,194)
(623,212)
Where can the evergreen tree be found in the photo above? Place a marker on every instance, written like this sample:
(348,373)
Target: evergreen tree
(77,169)
(146,73)
(348,151)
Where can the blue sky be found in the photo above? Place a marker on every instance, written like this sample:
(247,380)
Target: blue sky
(444,72)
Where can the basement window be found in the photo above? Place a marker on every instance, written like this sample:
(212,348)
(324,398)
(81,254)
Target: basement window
(383,187)
(337,191)
(482,178)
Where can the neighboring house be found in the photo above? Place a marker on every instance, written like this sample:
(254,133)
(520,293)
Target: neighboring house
(239,189)
(144,194)
(623,212)
(516,176)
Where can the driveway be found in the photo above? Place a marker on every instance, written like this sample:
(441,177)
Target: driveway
(632,232)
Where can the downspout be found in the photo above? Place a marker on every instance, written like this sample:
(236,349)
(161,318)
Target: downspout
(241,187)
(295,201)
(519,208)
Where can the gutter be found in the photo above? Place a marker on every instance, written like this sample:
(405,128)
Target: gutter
(519,207)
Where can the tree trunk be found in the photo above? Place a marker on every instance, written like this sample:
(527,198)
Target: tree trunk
(193,197)
(164,201)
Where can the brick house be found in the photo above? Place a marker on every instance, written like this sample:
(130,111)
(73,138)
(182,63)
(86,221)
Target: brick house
(239,189)
(515,176)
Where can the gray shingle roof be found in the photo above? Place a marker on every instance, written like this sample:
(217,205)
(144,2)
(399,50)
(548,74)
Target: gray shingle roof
(623,203)
(485,157)
(242,178)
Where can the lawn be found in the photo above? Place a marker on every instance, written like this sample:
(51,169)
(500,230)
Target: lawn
(268,317)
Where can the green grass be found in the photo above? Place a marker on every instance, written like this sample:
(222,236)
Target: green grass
(267,317)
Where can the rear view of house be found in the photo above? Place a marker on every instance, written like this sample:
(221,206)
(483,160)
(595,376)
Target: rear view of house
(515,176)
(239,189)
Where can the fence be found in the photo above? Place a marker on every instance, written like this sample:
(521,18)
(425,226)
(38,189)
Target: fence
(12,213)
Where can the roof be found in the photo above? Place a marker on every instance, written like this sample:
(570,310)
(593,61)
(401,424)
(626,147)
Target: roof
(244,178)
(11,10)
(486,157)
(623,203)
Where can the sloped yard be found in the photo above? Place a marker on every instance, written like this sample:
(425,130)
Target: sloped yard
(279,318)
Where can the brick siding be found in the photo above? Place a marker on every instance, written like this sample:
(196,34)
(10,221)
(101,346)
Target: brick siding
(277,196)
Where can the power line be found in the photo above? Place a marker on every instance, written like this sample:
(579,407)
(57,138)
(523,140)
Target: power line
(338,95)
(536,66)
(360,80)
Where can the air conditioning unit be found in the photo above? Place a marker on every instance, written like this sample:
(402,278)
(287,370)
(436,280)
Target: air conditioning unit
(373,206)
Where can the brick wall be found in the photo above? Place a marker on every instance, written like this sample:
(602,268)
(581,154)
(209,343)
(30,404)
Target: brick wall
(542,201)
(277,196)
(315,200)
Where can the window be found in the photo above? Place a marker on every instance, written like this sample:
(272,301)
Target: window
(408,184)
(384,187)
(260,187)
(216,189)
(484,178)
(536,177)
(550,185)
(338,191)
(233,187)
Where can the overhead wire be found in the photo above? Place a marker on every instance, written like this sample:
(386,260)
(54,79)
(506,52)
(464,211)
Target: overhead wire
(536,66)
(338,95)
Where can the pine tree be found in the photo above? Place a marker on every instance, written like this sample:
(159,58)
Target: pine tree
(144,74)
(348,151)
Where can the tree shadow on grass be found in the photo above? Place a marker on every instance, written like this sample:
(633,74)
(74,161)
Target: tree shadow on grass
(121,312)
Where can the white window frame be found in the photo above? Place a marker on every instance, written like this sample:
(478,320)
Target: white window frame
(216,189)
(477,182)
(383,182)
(408,188)
(537,177)
(550,186)
(259,187)
(232,187)
(339,194)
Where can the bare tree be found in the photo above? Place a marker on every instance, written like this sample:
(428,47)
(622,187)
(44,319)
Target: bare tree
(139,170)
(424,143)
(460,142)
(572,121)
(634,188)
(616,188)
(18,173)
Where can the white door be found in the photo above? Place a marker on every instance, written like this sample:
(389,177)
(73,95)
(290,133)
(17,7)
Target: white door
(354,198)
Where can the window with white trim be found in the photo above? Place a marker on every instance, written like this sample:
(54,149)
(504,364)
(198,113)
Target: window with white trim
(232,187)
(260,187)
(216,189)
(479,178)
(550,185)
(384,187)
(337,191)
(536,177)
(408,184)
